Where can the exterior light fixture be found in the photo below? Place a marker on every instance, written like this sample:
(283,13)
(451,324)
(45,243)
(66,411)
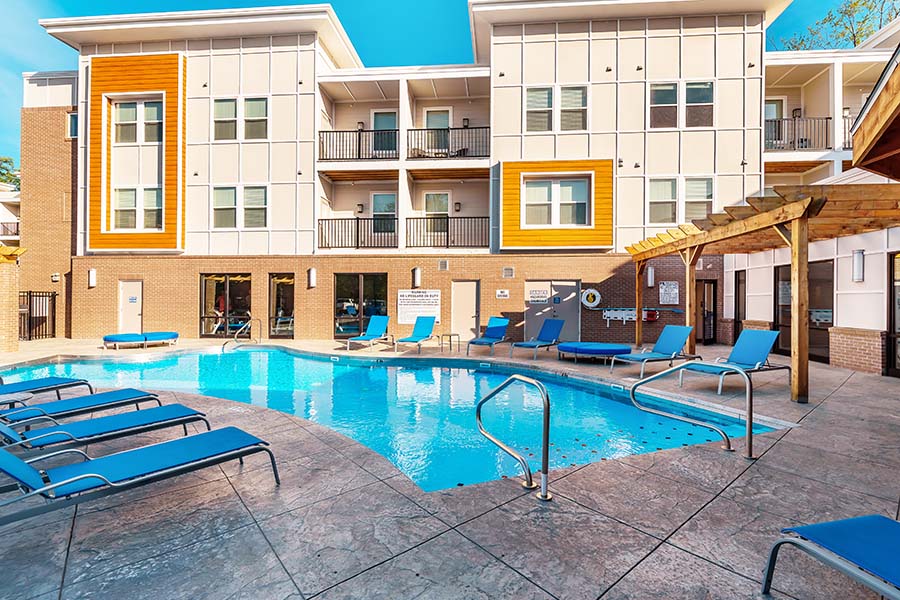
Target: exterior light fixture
(311,277)
(360,208)
(465,122)
(417,277)
(457,206)
(360,125)
(651,277)
(797,113)
(92,278)
(846,112)
(859,266)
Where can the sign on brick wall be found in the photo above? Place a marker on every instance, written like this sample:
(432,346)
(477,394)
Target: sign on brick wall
(668,292)
(418,303)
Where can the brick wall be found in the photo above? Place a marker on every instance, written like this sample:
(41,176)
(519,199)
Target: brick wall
(9,306)
(49,182)
(858,349)
(763,325)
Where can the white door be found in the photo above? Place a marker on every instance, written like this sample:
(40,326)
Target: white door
(464,309)
(131,306)
(437,121)
(553,300)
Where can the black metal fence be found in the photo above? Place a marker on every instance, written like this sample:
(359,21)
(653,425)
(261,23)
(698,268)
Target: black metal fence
(454,142)
(359,144)
(9,229)
(37,315)
(369,232)
(448,232)
(807,133)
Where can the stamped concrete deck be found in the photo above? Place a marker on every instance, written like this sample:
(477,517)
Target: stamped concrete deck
(345,523)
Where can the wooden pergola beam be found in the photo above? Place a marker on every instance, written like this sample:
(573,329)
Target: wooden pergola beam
(720,219)
(689,257)
(740,212)
(800,310)
(767,203)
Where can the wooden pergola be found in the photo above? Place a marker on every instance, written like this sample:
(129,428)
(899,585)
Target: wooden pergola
(793,218)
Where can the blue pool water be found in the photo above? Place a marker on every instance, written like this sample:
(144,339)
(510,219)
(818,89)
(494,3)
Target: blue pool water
(422,417)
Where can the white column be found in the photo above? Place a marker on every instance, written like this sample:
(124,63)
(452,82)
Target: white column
(404,195)
(837,104)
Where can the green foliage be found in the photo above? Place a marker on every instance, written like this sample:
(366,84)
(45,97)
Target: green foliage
(846,25)
(8,171)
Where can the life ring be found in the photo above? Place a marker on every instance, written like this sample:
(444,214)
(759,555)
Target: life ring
(591,298)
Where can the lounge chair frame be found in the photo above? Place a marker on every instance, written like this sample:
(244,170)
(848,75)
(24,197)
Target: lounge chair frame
(53,388)
(113,488)
(387,338)
(668,358)
(760,367)
(45,416)
(835,561)
(417,341)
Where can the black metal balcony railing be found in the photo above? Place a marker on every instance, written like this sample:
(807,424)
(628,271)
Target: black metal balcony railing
(806,133)
(448,232)
(371,232)
(848,134)
(454,142)
(361,144)
(9,229)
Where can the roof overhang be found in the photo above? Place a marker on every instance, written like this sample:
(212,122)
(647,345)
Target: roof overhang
(245,22)
(483,14)
(876,132)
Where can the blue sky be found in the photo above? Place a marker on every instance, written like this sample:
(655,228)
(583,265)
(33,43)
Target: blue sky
(433,32)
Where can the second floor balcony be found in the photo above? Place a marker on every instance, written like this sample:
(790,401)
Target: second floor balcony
(9,229)
(421,232)
(359,144)
(383,144)
(450,142)
(802,133)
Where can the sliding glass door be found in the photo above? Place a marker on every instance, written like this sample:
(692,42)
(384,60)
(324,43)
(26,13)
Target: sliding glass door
(357,298)
(821,308)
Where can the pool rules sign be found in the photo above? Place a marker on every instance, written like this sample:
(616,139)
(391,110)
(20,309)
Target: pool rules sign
(418,303)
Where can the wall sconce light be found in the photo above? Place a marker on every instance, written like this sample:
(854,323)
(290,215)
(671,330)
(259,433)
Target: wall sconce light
(744,162)
(751,65)
(797,113)
(457,206)
(846,112)
(609,69)
(637,165)
(465,122)
(360,125)
(311,277)
(621,163)
(651,277)
(360,208)
(640,68)
(92,278)
(859,266)
(54,277)
(501,74)
(417,277)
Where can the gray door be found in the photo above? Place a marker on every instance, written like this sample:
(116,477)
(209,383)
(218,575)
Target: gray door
(553,300)
(465,309)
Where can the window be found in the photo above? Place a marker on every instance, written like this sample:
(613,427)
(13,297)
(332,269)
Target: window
(225,120)
(698,198)
(539,109)
(437,207)
(125,210)
(126,122)
(224,208)
(153,121)
(225,305)
(698,110)
(254,207)
(573,108)
(557,202)
(256,119)
(384,211)
(663,200)
(153,208)
(663,105)
(72,125)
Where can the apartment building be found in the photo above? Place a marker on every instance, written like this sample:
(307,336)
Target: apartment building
(204,170)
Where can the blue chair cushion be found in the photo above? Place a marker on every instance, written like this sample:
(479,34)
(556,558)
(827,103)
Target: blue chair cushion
(123,338)
(638,357)
(77,405)
(147,460)
(20,470)
(593,348)
(160,336)
(871,542)
(532,344)
(485,341)
(110,424)
(716,370)
(44,383)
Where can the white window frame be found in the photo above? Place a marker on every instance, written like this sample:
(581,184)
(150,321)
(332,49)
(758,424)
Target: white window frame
(681,106)
(239,206)
(555,178)
(139,209)
(140,121)
(714,103)
(428,109)
(240,120)
(71,135)
(680,196)
(244,207)
(213,120)
(556,108)
(712,200)
(679,116)
(267,118)
(425,212)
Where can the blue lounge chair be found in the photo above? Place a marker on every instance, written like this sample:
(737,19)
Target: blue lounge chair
(547,337)
(866,549)
(102,428)
(43,384)
(423,331)
(79,405)
(668,347)
(750,353)
(376,331)
(121,339)
(494,333)
(98,477)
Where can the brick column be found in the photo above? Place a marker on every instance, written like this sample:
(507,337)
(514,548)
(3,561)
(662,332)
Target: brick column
(9,298)
(863,350)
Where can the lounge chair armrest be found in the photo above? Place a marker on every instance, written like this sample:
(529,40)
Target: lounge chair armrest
(47,435)
(47,489)
(29,422)
(58,453)
(13,413)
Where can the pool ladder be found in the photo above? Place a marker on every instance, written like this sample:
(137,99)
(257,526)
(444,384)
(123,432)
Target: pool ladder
(748,391)
(243,328)
(543,494)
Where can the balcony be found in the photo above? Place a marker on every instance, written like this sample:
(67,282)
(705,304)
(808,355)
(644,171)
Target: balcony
(454,142)
(806,133)
(448,232)
(9,230)
(370,232)
(359,144)
(848,132)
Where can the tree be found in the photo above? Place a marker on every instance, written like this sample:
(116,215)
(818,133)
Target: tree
(846,25)
(8,171)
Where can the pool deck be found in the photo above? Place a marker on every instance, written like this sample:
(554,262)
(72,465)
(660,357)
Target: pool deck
(694,522)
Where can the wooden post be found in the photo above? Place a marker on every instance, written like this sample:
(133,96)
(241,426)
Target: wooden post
(690,256)
(639,268)
(800,310)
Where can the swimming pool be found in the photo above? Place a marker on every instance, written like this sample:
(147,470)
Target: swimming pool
(419,415)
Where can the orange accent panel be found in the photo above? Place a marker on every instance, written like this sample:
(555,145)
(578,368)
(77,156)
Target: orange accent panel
(513,236)
(158,73)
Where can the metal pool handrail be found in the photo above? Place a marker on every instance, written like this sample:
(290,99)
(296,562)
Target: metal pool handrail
(545,449)
(748,388)
(241,330)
